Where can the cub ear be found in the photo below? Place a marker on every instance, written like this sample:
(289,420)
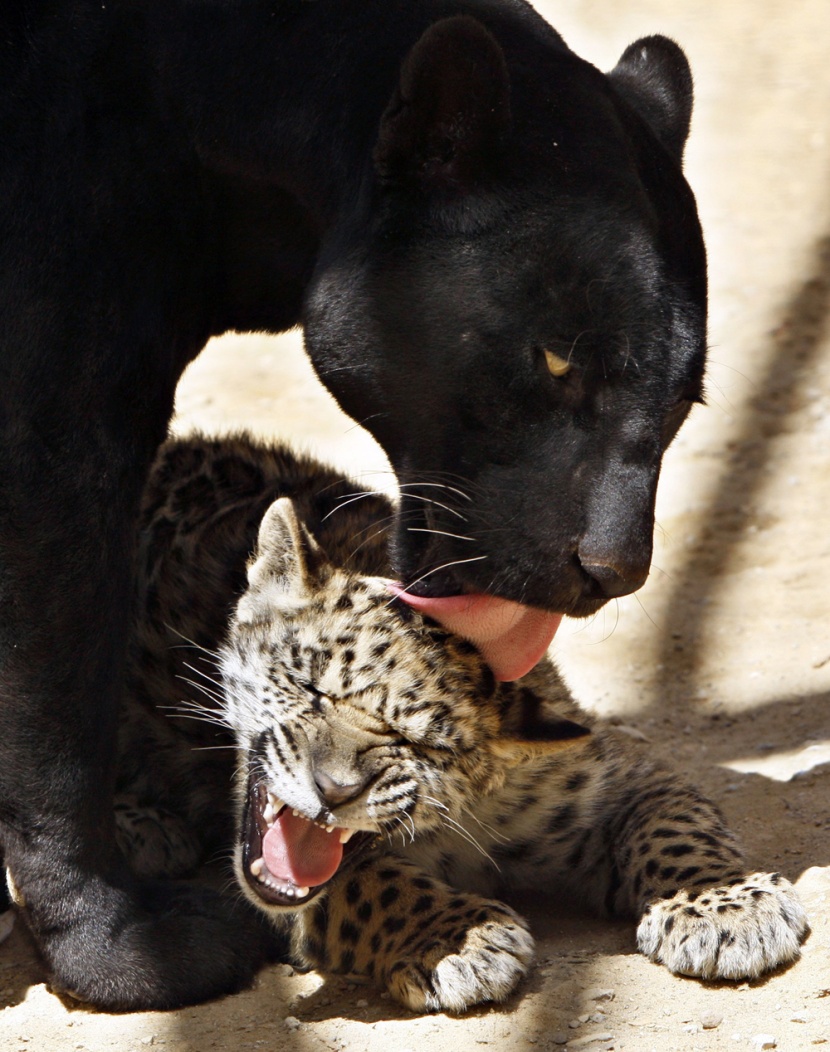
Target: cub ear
(654,77)
(537,733)
(450,113)
(286,564)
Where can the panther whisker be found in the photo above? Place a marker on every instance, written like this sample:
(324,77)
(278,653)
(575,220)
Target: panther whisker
(438,533)
(642,607)
(443,566)
(470,487)
(345,503)
(438,485)
(437,504)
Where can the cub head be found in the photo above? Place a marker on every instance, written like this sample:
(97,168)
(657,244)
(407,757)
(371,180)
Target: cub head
(355,718)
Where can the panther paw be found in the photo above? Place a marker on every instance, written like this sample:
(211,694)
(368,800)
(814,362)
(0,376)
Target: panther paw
(453,972)
(737,931)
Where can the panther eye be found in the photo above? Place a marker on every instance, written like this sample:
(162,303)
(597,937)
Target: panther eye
(556,366)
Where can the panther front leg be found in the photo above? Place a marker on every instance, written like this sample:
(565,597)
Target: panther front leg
(701,913)
(434,948)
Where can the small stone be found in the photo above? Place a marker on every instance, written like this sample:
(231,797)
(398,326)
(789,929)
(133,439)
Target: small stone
(600,994)
(574,1023)
(711,1020)
(292,1022)
(590,1039)
(560,1038)
(763,1041)
(362,1003)
(285,969)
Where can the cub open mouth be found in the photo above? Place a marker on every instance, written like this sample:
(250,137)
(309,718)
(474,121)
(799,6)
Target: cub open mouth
(287,859)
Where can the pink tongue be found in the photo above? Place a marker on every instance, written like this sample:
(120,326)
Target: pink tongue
(299,852)
(510,637)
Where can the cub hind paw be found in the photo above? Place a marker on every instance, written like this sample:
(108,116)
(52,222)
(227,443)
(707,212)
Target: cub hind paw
(452,974)
(739,930)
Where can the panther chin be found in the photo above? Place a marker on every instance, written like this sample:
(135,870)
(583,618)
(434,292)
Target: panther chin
(287,859)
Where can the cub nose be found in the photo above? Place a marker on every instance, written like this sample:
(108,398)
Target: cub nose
(612,581)
(335,791)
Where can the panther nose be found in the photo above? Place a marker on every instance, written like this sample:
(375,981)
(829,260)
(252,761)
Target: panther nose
(612,581)
(336,792)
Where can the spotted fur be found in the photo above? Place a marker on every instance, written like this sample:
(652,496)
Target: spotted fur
(357,713)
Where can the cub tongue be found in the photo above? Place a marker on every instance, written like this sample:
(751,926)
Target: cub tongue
(299,852)
(511,638)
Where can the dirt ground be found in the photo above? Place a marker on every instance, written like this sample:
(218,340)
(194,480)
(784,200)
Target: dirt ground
(722,662)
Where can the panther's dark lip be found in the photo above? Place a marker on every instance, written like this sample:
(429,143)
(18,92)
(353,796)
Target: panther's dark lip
(436,585)
(274,891)
(446,583)
(580,608)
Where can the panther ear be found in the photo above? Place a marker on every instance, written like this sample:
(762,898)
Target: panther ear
(450,113)
(533,730)
(287,561)
(654,77)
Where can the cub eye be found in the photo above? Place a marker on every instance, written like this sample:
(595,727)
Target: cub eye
(556,366)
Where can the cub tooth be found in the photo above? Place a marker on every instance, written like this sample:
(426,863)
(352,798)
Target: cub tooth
(275,801)
(268,813)
(257,866)
(301,893)
(346,835)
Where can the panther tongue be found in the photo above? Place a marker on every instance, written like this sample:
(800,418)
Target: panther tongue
(299,852)
(511,638)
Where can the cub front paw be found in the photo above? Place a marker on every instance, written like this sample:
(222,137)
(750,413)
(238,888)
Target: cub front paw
(736,931)
(457,969)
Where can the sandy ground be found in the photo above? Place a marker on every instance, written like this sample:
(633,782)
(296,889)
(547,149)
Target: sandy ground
(723,660)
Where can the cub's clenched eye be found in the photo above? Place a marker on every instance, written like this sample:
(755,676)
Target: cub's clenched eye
(556,366)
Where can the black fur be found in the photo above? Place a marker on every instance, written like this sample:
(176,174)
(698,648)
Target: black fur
(438,201)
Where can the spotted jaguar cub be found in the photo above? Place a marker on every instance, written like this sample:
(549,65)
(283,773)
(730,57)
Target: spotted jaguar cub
(387,788)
